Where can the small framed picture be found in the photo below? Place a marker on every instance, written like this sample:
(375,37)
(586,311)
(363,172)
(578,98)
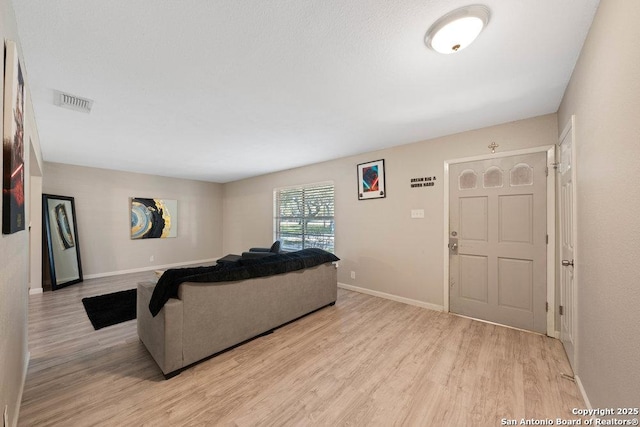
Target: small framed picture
(371,180)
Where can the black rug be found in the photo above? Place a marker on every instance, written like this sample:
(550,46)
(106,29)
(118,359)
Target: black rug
(110,309)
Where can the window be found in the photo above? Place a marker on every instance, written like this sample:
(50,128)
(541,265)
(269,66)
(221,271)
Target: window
(303,217)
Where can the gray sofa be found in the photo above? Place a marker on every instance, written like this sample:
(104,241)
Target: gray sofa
(208,318)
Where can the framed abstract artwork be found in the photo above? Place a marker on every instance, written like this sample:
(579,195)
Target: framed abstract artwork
(13,218)
(371,180)
(153,218)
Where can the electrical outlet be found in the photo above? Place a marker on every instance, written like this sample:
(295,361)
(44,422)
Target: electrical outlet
(353,275)
(151,258)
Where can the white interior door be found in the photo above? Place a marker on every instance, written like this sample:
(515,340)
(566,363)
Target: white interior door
(567,244)
(498,240)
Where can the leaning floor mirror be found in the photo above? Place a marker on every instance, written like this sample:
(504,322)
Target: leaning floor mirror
(61,250)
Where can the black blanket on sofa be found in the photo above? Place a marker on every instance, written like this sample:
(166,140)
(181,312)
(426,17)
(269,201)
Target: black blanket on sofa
(167,286)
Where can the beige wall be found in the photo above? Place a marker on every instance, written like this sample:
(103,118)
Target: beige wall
(14,257)
(102,201)
(377,239)
(604,94)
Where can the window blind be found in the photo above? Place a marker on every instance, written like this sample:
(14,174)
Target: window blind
(304,217)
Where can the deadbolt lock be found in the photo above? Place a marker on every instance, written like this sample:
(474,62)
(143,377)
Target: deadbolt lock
(453,246)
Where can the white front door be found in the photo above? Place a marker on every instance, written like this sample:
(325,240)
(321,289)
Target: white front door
(567,244)
(498,240)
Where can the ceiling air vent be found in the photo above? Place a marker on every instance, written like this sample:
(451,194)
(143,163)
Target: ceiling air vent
(73,102)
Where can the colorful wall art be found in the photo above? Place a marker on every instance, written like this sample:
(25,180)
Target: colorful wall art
(13,143)
(371,180)
(153,218)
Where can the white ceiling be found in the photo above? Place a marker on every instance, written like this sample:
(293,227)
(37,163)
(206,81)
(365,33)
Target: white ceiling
(220,90)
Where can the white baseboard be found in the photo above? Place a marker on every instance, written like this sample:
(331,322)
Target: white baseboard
(583,392)
(149,268)
(34,291)
(16,411)
(396,298)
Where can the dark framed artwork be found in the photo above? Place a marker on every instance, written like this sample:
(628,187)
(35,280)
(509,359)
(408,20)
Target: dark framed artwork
(153,218)
(61,248)
(13,218)
(371,180)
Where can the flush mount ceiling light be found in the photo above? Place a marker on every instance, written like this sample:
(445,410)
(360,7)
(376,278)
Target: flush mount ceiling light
(457,29)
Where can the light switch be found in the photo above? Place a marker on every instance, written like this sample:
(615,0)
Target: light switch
(417,213)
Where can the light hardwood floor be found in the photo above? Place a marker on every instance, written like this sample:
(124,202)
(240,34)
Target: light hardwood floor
(364,362)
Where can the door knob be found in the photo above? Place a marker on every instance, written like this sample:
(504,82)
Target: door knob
(567,263)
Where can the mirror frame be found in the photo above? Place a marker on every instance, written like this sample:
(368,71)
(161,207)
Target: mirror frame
(47,243)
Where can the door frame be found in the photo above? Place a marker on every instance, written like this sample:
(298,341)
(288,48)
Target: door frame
(551,224)
(35,222)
